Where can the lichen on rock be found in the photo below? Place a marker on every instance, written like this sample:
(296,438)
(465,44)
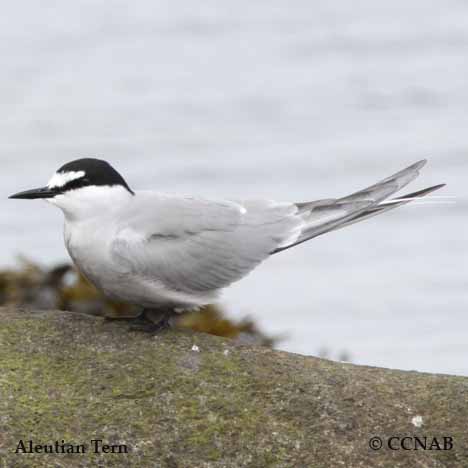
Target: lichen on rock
(77,378)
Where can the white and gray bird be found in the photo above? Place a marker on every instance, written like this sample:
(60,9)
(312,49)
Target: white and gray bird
(174,253)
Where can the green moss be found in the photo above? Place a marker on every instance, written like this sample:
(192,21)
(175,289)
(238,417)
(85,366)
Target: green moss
(72,377)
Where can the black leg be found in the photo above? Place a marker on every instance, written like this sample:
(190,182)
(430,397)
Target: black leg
(151,321)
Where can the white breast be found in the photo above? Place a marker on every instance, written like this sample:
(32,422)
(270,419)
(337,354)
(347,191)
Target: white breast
(88,246)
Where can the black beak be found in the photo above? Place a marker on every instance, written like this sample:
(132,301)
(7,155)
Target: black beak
(43,192)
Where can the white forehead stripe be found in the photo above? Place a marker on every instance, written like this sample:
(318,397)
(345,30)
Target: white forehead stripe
(59,179)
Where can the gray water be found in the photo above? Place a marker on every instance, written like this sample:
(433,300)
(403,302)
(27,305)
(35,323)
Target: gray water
(286,100)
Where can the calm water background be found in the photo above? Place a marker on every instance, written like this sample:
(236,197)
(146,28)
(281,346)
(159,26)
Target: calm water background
(291,101)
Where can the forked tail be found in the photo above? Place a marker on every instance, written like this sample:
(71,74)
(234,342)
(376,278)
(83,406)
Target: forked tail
(323,216)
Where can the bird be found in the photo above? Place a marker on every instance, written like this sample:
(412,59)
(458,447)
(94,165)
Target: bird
(169,253)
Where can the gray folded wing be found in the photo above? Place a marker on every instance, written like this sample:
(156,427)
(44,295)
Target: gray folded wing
(192,245)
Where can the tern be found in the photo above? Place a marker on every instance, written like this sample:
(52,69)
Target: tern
(172,253)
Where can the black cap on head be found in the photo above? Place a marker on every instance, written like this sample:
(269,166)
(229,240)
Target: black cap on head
(74,175)
(97,172)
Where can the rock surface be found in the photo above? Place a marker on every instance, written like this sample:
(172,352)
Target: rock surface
(182,399)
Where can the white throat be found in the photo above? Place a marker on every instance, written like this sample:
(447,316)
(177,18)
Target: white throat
(91,201)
